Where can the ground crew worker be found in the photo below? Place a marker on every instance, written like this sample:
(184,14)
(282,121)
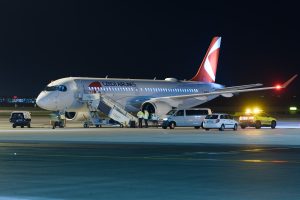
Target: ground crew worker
(154,119)
(63,120)
(146,116)
(140,116)
(53,120)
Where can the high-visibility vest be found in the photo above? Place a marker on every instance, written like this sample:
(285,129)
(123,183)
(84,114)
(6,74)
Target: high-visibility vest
(146,114)
(140,114)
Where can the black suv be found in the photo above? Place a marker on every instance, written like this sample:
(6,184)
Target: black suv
(20,119)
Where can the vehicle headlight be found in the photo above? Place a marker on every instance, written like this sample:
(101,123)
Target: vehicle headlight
(165,119)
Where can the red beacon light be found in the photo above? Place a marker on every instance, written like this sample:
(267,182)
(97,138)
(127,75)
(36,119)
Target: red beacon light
(278,87)
(284,85)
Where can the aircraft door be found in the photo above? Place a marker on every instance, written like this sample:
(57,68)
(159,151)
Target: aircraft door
(80,88)
(136,90)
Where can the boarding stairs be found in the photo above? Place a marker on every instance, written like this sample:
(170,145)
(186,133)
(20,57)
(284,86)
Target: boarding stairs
(92,101)
(109,107)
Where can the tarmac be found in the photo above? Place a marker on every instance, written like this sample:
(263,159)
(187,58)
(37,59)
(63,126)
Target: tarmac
(148,163)
(286,133)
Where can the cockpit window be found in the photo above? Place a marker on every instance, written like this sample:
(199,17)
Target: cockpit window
(61,88)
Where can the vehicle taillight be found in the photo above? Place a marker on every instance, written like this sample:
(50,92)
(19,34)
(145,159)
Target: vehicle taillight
(217,121)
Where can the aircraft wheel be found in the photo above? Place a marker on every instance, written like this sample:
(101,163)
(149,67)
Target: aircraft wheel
(197,127)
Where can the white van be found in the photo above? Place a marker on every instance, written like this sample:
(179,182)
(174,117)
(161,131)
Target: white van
(192,117)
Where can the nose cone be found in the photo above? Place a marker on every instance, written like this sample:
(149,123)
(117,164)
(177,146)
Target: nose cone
(46,101)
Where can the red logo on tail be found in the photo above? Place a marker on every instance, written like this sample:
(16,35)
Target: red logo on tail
(208,68)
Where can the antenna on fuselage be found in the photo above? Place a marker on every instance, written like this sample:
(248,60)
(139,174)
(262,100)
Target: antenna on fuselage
(154,78)
(106,76)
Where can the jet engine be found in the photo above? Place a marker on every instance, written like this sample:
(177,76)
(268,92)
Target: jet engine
(159,108)
(77,116)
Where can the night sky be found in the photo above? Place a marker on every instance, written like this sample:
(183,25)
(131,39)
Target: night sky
(43,40)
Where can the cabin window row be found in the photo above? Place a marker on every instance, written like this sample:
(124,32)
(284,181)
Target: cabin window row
(127,89)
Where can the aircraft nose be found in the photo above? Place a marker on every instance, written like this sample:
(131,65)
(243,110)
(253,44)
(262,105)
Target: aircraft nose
(45,101)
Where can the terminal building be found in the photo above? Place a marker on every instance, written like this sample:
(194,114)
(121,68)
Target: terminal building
(17,102)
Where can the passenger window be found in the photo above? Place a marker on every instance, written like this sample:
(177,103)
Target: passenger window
(179,113)
(222,117)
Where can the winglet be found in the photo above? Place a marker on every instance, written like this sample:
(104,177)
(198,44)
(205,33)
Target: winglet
(289,81)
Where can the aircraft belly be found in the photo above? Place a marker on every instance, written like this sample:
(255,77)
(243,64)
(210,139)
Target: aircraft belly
(192,102)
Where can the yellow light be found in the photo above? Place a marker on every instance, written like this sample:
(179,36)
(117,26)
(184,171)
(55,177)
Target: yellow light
(243,118)
(256,110)
(248,111)
(253,161)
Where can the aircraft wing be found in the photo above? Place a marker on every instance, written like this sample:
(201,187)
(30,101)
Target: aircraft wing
(227,92)
(241,87)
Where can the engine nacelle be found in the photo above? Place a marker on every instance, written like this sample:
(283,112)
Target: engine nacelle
(77,116)
(159,108)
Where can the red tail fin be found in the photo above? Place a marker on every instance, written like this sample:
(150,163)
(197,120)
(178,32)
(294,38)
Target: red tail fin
(208,68)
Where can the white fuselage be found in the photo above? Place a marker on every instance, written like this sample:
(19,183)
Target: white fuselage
(64,94)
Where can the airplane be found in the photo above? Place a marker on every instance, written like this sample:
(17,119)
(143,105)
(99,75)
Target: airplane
(157,96)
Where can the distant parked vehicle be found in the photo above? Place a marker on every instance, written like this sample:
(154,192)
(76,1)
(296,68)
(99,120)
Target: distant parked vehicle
(188,118)
(20,118)
(257,120)
(219,121)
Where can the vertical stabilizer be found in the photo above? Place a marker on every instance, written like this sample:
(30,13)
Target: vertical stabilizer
(208,68)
